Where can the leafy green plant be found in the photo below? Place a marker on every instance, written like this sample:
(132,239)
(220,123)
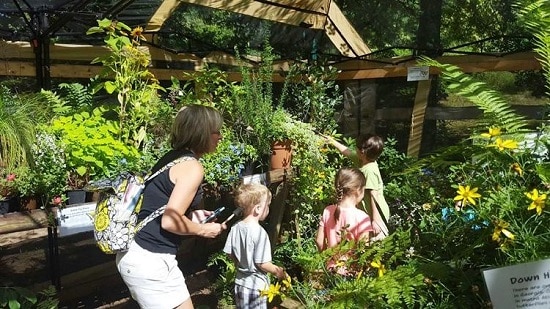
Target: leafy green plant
(381,278)
(49,169)
(127,76)
(91,146)
(7,184)
(226,280)
(18,297)
(311,94)
(75,97)
(17,125)
(478,204)
(224,167)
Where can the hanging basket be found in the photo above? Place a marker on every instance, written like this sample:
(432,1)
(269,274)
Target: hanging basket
(281,154)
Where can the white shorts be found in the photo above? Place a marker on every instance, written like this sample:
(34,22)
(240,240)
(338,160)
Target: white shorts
(154,279)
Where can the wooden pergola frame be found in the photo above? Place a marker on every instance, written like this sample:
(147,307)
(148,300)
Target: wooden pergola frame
(17,59)
(72,61)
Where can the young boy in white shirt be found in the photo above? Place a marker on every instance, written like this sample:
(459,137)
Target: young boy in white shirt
(249,247)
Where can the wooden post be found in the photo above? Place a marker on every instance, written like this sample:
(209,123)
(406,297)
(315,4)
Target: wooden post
(276,212)
(418,116)
(279,178)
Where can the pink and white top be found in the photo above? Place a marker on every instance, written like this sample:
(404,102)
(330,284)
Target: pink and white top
(352,222)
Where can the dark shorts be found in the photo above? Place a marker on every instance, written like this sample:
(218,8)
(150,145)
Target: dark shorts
(246,298)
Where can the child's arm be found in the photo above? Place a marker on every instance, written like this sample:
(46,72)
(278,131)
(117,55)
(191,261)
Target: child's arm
(343,149)
(320,239)
(377,222)
(273,269)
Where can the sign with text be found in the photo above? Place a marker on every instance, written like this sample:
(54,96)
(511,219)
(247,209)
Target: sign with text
(519,286)
(418,73)
(76,219)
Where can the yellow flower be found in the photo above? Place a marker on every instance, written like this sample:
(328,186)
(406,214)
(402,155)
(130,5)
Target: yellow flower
(465,194)
(381,268)
(426,206)
(287,282)
(271,291)
(501,227)
(137,33)
(517,168)
(493,131)
(505,144)
(537,200)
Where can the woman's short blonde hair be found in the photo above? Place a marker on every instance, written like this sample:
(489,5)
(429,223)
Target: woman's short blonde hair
(193,127)
(249,195)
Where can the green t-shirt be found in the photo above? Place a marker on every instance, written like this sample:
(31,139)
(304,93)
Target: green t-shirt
(375,184)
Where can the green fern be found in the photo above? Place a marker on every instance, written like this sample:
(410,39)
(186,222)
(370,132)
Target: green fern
(495,108)
(536,17)
(59,105)
(77,94)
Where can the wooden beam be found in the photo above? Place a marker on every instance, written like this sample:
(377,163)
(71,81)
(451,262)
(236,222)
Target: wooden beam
(535,112)
(364,69)
(311,13)
(18,60)
(418,116)
(19,68)
(23,221)
(343,35)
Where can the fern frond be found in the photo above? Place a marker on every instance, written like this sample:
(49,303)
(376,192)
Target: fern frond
(494,107)
(536,16)
(59,106)
(77,94)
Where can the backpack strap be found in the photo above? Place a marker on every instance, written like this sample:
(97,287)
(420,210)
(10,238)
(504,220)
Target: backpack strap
(152,216)
(167,166)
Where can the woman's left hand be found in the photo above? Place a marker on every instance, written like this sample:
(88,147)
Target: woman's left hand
(199,215)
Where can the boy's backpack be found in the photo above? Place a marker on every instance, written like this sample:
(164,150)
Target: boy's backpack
(116,213)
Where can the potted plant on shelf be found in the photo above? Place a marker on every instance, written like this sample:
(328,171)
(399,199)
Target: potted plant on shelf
(8,200)
(49,169)
(26,185)
(277,132)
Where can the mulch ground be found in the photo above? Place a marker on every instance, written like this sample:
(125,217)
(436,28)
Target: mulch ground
(87,279)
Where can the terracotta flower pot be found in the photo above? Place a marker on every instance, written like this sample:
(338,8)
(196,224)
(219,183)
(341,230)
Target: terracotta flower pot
(281,154)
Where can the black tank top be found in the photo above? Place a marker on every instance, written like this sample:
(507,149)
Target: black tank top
(155,195)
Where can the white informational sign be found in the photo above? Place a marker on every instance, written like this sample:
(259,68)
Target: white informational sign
(76,219)
(418,73)
(519,286)
(256,178)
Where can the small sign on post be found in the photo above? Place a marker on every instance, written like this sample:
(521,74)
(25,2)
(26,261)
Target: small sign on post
(524,285)
(76,219)
(418,73)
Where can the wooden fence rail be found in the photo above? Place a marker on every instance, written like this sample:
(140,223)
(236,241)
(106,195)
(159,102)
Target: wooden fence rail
(455,113)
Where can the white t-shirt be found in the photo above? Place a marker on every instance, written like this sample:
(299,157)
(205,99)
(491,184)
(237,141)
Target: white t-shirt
(250,245)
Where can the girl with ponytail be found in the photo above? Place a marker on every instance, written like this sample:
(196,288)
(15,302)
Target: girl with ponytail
(344,220)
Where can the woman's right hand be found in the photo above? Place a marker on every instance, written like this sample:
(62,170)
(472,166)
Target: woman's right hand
(212,230)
